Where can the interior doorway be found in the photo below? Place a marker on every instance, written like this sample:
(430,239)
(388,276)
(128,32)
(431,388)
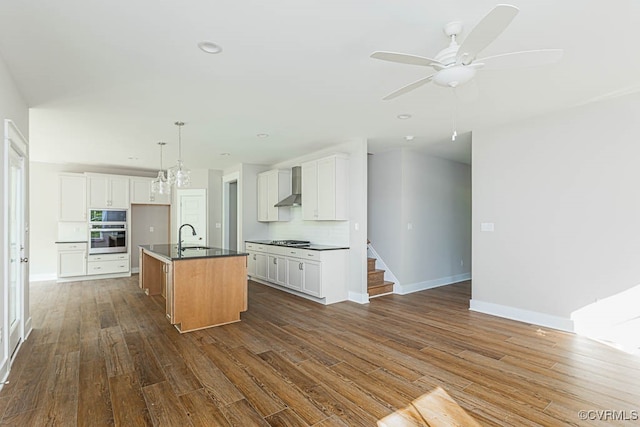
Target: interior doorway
(230,212)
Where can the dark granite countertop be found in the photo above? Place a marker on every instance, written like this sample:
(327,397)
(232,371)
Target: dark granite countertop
(171,252)
(311,247)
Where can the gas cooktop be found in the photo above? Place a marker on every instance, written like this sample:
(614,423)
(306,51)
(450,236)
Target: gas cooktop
(295,243)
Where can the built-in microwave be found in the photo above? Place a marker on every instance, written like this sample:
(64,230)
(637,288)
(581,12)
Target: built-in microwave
(108,215)
(107,231)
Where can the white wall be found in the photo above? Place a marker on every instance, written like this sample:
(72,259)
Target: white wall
(420,218)
(562,191)
(13,107)
(214,199)
(143,219)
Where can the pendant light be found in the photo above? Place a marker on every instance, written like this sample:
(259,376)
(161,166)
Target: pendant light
(179,175)
(160,185)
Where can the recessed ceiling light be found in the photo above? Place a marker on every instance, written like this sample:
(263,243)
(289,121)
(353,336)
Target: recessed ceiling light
(209,47)
(262,135)
(225,154)
(404,116)
(409,137)
(132,158)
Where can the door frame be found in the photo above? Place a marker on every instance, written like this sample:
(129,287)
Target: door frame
(227,180)
(14,139)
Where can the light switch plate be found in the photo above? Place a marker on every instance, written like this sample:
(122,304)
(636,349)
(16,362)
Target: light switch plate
(486,226)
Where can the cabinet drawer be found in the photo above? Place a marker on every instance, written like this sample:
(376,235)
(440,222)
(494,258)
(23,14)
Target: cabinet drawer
(108,257)
(257,247)
(278,250)
(303,253)
(313,255)
(72,246)
(107,267)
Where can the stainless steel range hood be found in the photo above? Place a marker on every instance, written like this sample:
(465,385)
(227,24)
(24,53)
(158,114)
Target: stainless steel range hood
(295,199)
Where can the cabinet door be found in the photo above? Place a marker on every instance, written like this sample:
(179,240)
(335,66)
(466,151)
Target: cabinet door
(73,198)
(263,191)
(72,263)
(310,191)
(251,264)
(294,273)
(272,268)
(141,191)
(281,277)
(261,265)
(272,196)
(119,193)
(326,181)
(312,283)
(98,191)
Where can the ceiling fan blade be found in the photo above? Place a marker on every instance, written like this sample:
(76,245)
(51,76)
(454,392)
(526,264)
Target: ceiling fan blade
(485,32)
(404,58)
(408,88)
(527,58)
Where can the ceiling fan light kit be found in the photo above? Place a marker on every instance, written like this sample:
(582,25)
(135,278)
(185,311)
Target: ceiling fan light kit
(456,64)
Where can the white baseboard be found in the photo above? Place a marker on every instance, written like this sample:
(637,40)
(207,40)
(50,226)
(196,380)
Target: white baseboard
(47,277)
(521,315)
(429,284)
(358,297)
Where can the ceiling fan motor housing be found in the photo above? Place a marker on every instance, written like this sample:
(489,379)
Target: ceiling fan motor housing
(454,76)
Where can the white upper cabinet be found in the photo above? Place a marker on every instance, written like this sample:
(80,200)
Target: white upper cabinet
(73,197)
(108,191)
(141,193)
(325,189)
(273,186)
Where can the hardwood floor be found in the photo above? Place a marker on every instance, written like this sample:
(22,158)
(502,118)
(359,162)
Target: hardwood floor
(101,353)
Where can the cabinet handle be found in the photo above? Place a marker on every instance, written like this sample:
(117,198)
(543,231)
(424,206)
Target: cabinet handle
(300,266)
(275,261)
(254,257)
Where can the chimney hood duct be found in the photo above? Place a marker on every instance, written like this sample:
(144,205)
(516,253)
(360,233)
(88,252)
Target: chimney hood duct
(295,199)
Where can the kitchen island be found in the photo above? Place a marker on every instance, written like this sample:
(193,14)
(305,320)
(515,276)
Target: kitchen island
(202,286)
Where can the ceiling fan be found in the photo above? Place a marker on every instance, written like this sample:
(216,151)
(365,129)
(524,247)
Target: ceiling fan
(457,64)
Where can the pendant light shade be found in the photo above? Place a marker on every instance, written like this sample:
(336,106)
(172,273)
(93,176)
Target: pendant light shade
(160,185)
(179,174)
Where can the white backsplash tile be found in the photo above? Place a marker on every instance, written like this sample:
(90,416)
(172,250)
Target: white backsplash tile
(334,233)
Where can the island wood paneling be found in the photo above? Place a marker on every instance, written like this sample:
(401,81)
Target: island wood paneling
(102,353)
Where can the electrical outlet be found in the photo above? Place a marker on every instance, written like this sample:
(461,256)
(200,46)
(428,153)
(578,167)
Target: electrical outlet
(461,263)
(151,229)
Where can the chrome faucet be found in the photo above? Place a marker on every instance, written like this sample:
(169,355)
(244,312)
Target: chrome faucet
(180,236)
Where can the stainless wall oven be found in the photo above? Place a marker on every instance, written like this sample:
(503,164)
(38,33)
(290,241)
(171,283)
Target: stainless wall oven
(108,231)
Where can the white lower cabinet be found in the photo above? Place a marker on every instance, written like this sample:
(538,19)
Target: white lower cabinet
(72,259)
(321,274)
(312,278)
(108,264)
(277,269)
(295,274)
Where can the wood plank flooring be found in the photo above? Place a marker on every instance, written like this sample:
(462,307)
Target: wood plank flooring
(101,353)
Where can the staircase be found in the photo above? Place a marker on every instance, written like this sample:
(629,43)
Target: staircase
(376,285)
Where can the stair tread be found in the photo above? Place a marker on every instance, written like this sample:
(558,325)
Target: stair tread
(378,285)
(378,271)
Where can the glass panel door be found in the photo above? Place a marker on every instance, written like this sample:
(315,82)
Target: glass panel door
(16,245)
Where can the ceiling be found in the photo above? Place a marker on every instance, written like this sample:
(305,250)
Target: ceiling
(106,81)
